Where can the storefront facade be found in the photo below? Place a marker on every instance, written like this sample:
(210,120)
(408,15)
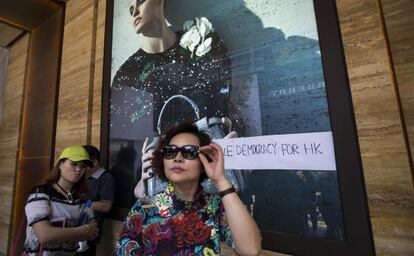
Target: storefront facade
(379,79)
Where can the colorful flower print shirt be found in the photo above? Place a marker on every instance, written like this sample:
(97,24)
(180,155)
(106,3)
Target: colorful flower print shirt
(170,226)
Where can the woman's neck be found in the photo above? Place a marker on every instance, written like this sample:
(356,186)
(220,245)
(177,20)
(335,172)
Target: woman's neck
(159,40)
(186,191)
(66,185)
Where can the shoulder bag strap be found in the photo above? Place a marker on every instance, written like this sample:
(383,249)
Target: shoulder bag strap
(193,104)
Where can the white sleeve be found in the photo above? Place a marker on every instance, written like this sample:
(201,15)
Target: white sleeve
(37,208)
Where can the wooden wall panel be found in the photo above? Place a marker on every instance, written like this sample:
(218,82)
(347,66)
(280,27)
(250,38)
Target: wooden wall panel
(9,134)
(98,75)
(111,227)
(384,155)
(75,81)
(399,21)
(38,119)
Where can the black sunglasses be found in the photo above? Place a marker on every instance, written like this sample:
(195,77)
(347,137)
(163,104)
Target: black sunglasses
(189,152)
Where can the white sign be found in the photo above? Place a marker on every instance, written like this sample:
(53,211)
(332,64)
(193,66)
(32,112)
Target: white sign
(300,151)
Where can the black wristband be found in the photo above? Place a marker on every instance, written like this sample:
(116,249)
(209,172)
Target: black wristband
(227,191)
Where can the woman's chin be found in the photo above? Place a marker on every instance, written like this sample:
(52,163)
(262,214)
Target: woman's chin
(177,179)
(74,179)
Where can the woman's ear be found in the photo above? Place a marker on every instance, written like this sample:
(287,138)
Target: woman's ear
(60,166)
(95,163)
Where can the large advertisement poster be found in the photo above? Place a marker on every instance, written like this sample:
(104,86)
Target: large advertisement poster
(251,69)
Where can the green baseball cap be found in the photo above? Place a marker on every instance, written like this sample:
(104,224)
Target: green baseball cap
(76,154)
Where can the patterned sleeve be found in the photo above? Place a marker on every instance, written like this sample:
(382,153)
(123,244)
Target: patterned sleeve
(130,238)
(37,207)
(225,233)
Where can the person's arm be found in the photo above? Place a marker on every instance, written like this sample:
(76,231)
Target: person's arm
(146,172)
(47,233)
(101,206)
(106,193)
(245,233)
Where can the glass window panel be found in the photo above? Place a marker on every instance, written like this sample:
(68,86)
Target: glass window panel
(262,71)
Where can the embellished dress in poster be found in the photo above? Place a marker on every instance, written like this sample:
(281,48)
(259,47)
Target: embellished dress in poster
(147,80)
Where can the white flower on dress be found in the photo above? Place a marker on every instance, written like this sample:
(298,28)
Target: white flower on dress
(204,26)
(190,39)
(194,37)
(204,47)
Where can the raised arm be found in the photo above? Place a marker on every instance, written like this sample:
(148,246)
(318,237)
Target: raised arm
(245,233)
(146,171)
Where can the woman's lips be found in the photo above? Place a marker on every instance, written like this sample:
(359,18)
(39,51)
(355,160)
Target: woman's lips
(137,21)
(177,169)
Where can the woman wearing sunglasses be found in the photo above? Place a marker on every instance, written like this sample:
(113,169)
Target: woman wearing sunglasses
(184,219)
(54,207)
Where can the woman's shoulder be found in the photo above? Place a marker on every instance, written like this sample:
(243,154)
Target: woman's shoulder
(44,188)
(42,192)
(213,203)
(133,70)
(149,203)
(156,202)
(136,60)
(144,209)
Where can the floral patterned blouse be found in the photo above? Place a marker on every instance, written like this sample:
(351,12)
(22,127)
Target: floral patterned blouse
(171,226)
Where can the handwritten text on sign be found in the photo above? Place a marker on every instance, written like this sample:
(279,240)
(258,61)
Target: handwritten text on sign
(299,151)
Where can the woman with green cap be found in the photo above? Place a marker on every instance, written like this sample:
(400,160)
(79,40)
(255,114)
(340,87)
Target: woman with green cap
(53,208)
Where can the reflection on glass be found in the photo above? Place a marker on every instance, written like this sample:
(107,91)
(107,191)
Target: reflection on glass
(298,202)
(264,75)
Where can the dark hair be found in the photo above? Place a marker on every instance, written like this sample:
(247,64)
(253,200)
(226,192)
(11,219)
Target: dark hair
(81,187)
(93,152)
(183,127)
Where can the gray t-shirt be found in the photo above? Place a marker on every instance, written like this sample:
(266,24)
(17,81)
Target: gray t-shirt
(102,188)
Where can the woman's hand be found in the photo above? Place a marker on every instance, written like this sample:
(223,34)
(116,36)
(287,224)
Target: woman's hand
(228,124)
(211,157)
(92,230)
(146,170)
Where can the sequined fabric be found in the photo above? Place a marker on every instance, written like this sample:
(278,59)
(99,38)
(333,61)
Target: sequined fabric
(145,81)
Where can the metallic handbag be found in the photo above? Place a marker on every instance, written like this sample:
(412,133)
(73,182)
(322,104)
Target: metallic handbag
(215,129)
